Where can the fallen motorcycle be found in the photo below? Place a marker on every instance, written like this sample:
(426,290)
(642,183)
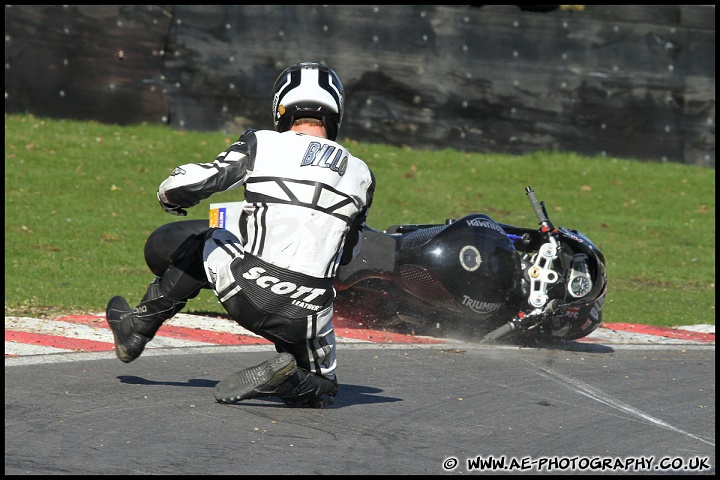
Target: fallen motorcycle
(470,278)
(478,279)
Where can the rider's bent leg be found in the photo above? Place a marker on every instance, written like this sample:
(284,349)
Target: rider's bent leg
(311,341)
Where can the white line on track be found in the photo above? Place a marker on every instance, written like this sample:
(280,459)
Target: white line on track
(602,397)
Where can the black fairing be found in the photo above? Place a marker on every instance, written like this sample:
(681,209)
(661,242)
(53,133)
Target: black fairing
(574,317)
(584,315)
(469,266)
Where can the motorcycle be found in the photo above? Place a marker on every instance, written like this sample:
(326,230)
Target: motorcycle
(478,279)
(471,278)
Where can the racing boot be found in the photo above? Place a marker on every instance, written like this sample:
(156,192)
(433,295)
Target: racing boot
(307,390)
(262,380)
(166,296)
(129,344)
(134,328)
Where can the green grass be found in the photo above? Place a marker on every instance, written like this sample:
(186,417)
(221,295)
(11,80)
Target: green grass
(80,202)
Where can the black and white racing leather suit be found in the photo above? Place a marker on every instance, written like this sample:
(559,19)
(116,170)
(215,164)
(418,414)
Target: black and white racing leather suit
(304,196)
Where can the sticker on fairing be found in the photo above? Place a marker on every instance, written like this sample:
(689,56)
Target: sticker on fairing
(470,258)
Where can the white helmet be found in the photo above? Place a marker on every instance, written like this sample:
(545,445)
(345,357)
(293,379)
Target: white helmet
(308,90)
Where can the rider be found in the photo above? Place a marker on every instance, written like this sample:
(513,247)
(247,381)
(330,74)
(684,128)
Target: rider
(306,199)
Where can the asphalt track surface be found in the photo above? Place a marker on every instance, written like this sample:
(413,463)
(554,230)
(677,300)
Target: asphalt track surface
(624,401)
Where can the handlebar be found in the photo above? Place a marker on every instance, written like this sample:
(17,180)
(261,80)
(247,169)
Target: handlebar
(540,211)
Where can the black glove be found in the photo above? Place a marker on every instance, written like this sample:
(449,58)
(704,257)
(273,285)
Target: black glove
(180,212)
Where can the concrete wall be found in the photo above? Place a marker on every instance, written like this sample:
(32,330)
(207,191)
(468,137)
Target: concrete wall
(627,81)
